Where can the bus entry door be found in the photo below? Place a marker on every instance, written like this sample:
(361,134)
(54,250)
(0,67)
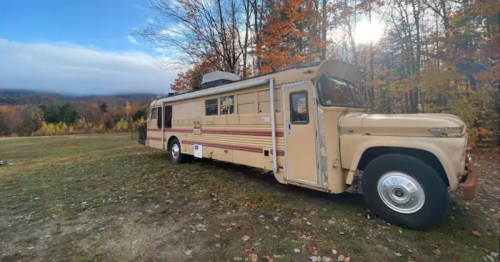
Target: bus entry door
(300,133)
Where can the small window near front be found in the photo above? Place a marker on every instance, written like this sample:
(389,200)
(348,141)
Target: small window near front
(168,117)
(299,113)
(211,107)
(153,114)
(226,105)
(158,123)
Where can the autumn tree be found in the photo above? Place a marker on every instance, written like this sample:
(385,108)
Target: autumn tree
(128,109)
(279,48)
(183,82)
(93,112)
(192,78)
(107,120)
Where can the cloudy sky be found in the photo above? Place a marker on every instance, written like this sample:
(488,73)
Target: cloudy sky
(78,47)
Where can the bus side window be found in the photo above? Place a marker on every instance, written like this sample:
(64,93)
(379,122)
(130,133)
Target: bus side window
(152,114)
(299,113)
(168,116)
(226,105)
(158,123)
(211,107)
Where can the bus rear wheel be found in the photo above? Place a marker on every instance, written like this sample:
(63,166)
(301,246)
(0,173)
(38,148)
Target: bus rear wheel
(405,191)
(176,155)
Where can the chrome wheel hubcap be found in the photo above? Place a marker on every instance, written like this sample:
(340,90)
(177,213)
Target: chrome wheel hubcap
(175,150)
(401,192)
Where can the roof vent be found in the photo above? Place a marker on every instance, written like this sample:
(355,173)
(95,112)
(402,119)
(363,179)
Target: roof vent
(218,78)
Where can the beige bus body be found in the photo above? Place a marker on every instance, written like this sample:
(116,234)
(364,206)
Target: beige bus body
(323,149)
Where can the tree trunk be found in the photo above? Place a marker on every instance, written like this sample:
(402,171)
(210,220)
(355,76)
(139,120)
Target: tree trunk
(245,45)
(372,72)
(323,30)
(257,35)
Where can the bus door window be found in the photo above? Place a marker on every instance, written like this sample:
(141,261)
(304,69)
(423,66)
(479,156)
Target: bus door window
(299,109)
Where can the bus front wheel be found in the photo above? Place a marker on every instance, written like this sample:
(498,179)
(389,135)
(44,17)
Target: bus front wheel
(176,155)
(405,191)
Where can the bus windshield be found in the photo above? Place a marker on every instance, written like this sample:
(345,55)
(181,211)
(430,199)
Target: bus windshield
(336,92)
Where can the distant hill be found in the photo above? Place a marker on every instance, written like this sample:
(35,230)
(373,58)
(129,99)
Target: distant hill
(31,97)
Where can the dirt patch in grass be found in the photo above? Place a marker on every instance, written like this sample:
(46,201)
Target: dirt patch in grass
(106,198)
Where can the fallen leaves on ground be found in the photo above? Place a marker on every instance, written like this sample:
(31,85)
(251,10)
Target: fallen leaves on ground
(485,249)
(476,233)
(254,257)
(315,258)
(311,250)
(245,238)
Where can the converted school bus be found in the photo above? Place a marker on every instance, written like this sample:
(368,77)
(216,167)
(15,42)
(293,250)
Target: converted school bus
(308,126)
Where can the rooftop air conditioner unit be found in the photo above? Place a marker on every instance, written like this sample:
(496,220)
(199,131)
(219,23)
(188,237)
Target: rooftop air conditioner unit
(218,78)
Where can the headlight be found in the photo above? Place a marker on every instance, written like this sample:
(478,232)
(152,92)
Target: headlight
(468,156)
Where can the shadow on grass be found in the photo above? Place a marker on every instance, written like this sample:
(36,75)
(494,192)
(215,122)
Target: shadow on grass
(267,183)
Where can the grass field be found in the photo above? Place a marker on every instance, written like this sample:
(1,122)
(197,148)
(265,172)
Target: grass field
(106,198)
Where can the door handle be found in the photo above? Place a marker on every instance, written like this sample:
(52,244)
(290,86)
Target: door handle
(289,128)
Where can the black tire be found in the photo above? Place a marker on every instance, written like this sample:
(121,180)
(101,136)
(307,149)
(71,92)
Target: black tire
(435,191)
(176,155)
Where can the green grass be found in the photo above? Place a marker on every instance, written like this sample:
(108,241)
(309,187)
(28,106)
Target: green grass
(106,198)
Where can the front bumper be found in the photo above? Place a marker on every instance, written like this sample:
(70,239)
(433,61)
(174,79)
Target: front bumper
(470,184)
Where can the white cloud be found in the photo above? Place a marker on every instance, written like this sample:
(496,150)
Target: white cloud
(150,21)
(73,69)
(132,40)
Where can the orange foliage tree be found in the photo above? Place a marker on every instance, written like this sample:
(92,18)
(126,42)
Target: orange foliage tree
(192,78)
(278,48)
(183,82)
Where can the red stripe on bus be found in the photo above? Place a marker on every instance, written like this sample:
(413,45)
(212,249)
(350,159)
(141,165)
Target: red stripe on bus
(233,147)
(222,132)
(280,152)
(241,132)
(224,146)
(172,130)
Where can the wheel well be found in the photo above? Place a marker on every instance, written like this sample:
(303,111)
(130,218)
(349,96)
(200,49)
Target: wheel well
(169,141)
(429,158)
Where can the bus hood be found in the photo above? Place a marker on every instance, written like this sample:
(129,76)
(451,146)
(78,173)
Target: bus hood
(436,125)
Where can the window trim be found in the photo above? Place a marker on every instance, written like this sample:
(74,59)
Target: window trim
(336,105)
(291,107)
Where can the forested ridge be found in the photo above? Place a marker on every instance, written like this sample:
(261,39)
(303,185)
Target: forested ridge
(11,97)
(29,112)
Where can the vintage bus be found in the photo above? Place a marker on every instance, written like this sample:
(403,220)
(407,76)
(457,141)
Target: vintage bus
(309,126)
